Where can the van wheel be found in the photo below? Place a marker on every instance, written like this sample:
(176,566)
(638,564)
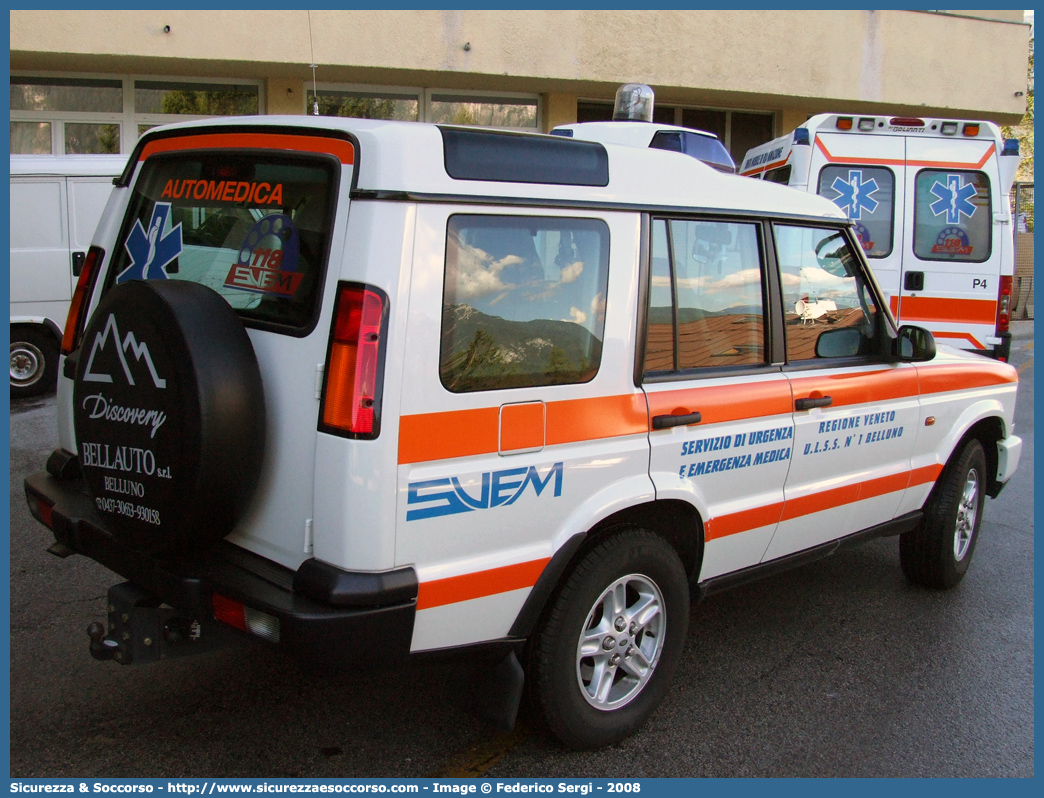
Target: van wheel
(34,361)
(169,413)
(938,552)
(605,656)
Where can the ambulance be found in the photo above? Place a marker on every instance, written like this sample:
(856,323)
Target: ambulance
(372,391)
(930,200)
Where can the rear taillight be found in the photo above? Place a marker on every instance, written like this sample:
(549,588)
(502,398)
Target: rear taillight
(1004,304)
(76,320)
(355,365)
(42,510)
(237,614)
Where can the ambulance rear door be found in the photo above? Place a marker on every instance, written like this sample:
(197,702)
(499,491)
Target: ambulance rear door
(951,263)
(864,175)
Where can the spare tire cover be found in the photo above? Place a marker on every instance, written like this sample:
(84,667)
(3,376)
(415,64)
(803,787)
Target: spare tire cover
(169,414)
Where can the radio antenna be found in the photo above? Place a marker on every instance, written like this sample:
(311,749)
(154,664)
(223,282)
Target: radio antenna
(311,51)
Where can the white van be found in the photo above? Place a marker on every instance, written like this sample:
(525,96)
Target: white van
(373,390)
(930,202)
(56,202)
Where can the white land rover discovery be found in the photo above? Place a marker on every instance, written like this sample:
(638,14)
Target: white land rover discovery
(352,386)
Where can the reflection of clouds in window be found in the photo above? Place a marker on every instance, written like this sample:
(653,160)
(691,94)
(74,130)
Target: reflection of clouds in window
(478,275)
(730,282)
(571,272)
(598,308)
(822,280)
(576,316)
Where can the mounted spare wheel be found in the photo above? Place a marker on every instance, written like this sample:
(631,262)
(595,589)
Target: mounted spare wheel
(169,413)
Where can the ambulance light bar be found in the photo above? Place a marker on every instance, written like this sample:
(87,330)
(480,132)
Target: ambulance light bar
(907,121)
(801,136)
(1011,147)
(634,103)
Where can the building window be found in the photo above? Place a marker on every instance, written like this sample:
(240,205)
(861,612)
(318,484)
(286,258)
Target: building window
(504,111)
(366,105)
(70,115)
(517,113)
(75,115)
(195,99)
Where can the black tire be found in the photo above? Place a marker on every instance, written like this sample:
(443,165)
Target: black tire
(169,412)
(938,552)
(642,567)
(34,361)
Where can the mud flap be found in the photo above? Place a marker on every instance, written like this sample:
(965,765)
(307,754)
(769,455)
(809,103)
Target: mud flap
(494,692)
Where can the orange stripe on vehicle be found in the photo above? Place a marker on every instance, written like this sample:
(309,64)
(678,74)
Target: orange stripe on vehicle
(462,433)
(901,162)
(893,303)
(743,521)
(717,404)
(746,520)
(940,379)
(453,589)
(846,494)
(975,342)
(343,150)
(456,433)
(858,388)
(970,311)
(593,419)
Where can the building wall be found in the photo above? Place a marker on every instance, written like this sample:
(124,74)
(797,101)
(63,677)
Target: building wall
(792,62)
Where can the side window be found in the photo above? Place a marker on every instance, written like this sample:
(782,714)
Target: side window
(828,307)
(952,216)
(659,342)
(781,174)
(706,306)
(867,196)
(523,301)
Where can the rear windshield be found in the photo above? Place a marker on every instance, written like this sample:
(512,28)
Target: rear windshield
(256,229)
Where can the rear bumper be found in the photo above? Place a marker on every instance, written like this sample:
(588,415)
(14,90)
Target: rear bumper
(326,615)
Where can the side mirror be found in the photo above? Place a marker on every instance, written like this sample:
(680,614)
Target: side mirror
(841,342)
(914,344)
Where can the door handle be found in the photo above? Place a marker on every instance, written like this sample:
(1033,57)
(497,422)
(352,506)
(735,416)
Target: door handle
(808,404)
(78,258)
(668,421)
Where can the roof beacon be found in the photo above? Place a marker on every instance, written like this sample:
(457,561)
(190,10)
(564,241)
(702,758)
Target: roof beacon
(634,103)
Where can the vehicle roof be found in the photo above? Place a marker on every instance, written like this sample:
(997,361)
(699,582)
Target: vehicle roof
(636,134)
(69,165)
(409,157)
(931,124)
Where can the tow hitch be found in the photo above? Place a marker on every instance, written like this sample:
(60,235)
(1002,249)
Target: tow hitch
(140,630)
